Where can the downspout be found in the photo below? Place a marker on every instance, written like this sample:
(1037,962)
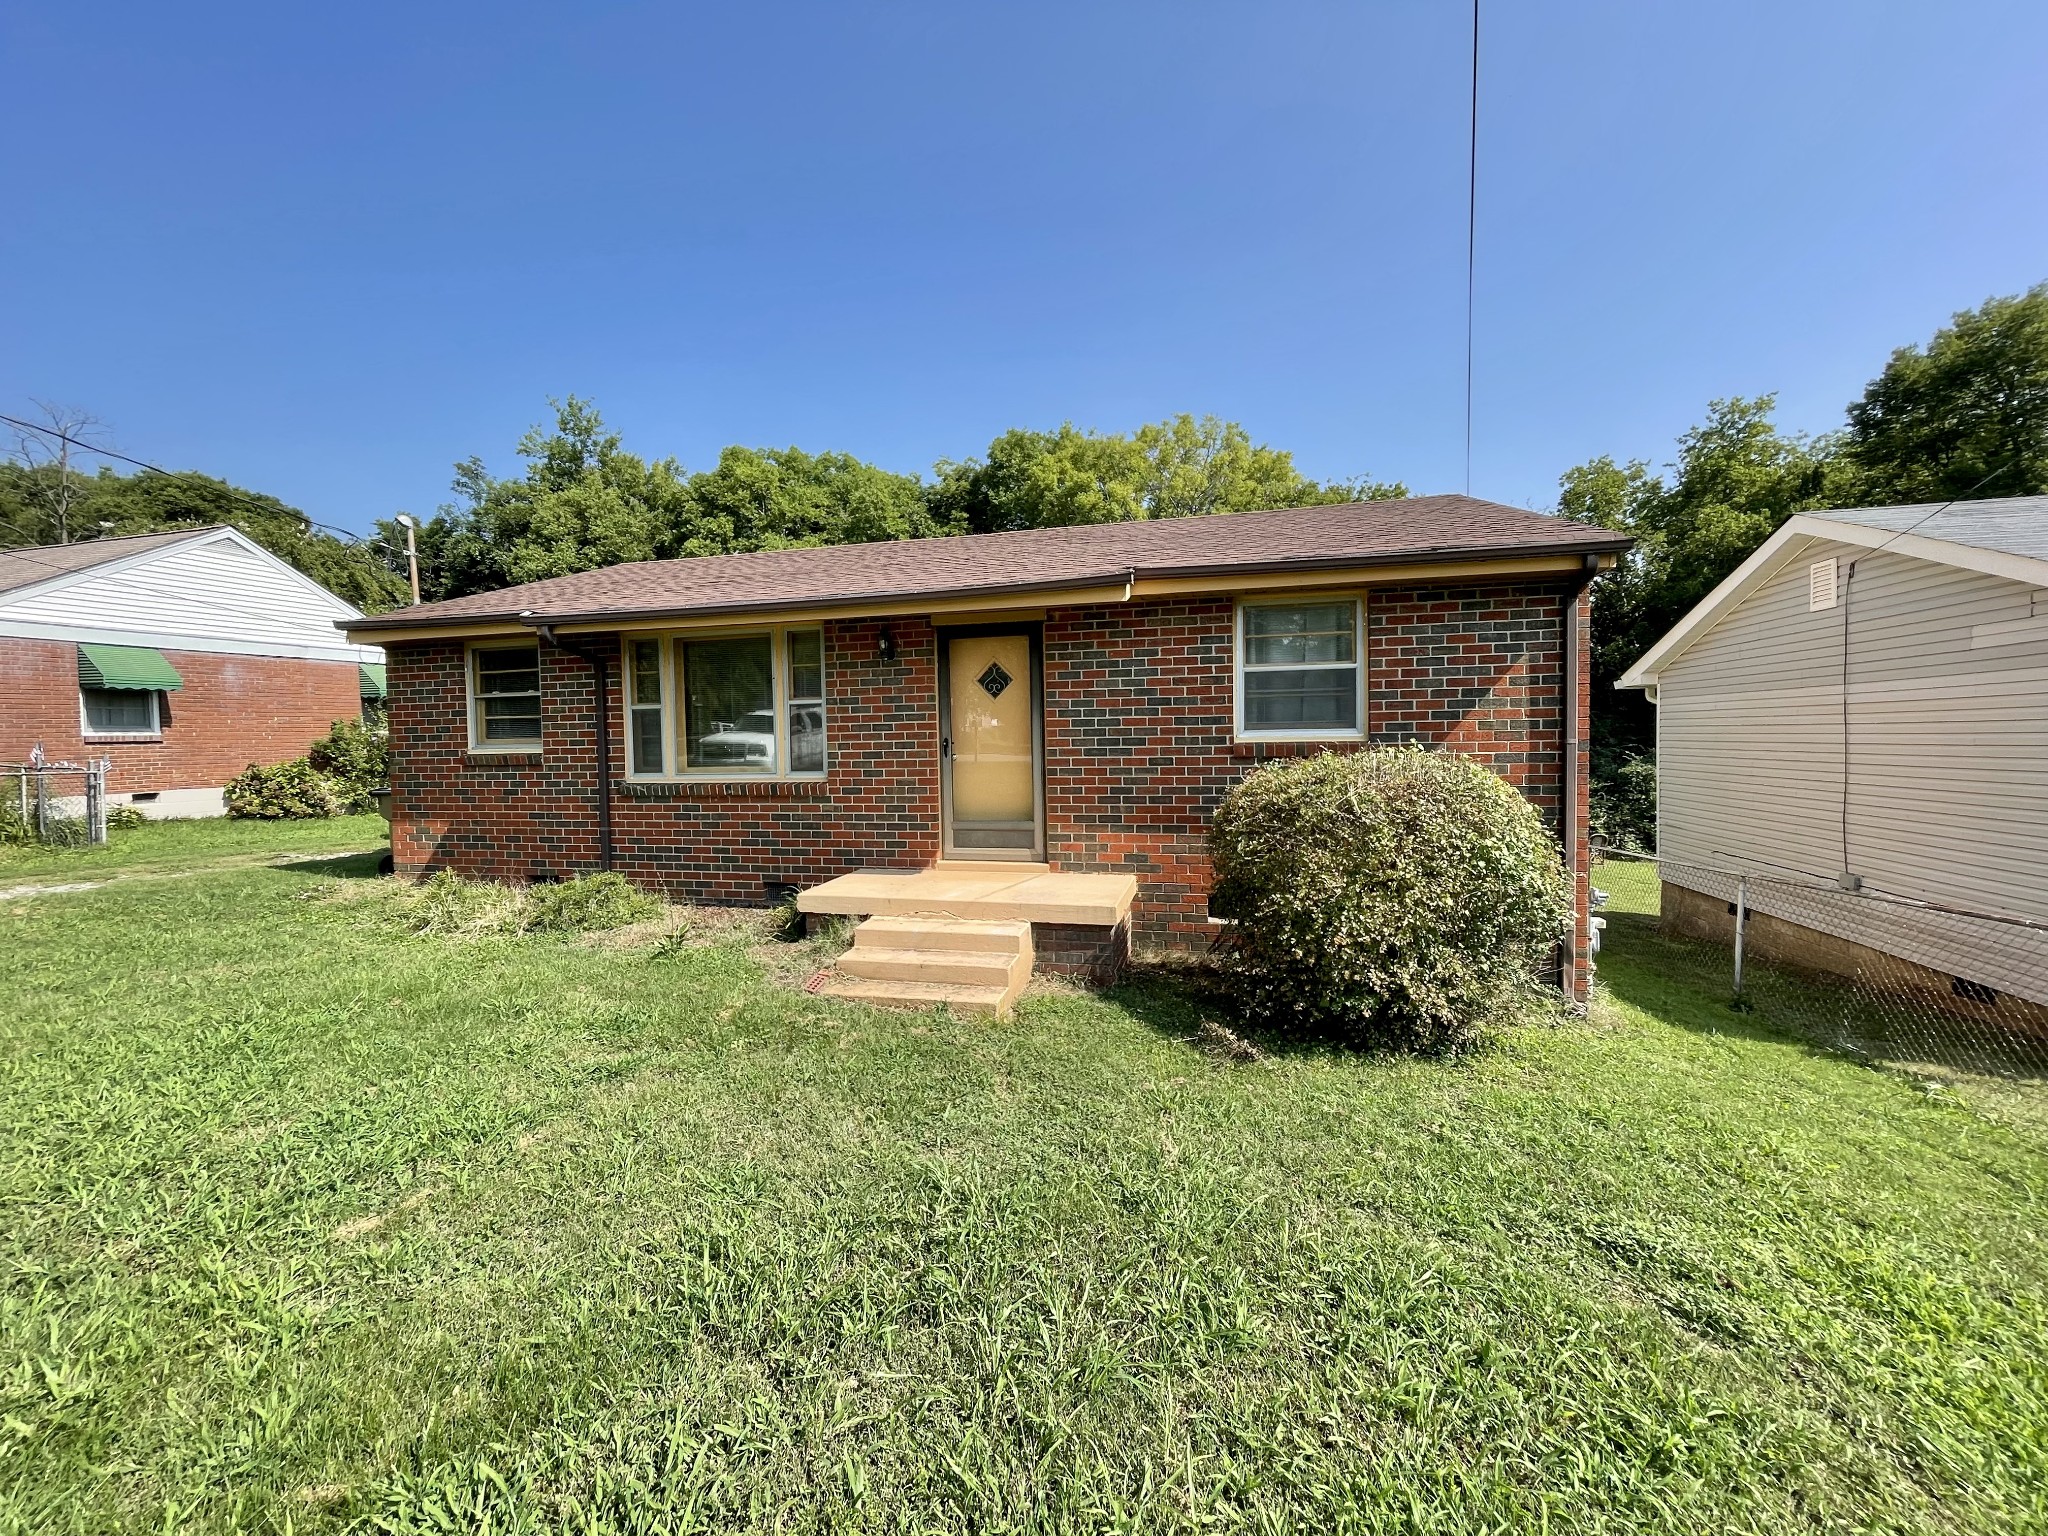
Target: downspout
(600,673)
(1569,746)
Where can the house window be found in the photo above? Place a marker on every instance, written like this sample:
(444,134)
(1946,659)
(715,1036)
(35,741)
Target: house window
(120,711)
(646,730)
(805,649)
(1300,669)
(504,711)
(726,705)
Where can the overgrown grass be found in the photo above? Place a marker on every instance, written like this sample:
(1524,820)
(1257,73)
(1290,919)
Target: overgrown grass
(312,1220)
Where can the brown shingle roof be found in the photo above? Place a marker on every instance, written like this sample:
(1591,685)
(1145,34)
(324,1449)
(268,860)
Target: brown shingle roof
(26,566)
(1352,534)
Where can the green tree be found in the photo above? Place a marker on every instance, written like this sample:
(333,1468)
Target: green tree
(583,502)
(1736,478)
(782,498)
(108,504)
(1966,415)
(1182,467)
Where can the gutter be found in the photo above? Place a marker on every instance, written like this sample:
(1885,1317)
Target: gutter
(1569,744)
(600,674)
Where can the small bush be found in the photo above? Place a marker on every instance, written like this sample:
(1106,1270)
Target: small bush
(124,818)
(587,903)
(292,791)
(356,759)
(16,830)
(1393,898)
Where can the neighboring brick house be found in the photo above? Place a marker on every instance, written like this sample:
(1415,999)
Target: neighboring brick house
(179,657)
(1072,700)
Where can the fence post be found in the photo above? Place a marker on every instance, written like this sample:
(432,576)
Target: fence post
(1741,923)
(95,804)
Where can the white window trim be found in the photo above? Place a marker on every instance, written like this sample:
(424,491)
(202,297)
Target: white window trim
(154,732)
(477,746)
(674,749)
(1238,668)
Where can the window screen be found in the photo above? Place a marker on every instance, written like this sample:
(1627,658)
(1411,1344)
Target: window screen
(507,680)
(119,711)
(645,686)
(806,700)
(1299,669)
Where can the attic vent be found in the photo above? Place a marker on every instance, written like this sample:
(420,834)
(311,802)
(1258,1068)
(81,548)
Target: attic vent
(1820,585)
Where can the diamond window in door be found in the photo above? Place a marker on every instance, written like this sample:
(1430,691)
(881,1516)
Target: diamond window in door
(994,680)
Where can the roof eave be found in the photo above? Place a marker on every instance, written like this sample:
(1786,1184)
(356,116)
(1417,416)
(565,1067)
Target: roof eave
(1123,576)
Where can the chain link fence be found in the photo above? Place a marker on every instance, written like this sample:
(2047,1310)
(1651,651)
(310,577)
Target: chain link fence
(1946,993)
(61,804)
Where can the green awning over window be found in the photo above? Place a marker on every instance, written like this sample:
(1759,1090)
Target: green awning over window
(373,680)
(125,666)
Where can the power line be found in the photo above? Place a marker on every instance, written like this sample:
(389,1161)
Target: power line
(1471,241)
(213,485)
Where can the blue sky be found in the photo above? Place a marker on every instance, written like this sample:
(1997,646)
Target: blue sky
(328,251)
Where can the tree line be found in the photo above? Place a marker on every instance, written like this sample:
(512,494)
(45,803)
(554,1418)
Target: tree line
(583,500)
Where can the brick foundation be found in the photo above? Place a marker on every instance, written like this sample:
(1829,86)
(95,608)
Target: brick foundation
(232,711)
(1138,753)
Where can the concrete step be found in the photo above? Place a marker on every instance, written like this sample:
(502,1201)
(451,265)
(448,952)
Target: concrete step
(942,933)
(990,1001)
(965,967)
(994,895)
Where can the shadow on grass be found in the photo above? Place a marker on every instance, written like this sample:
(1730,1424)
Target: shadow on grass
(1187,1004)
(340,866)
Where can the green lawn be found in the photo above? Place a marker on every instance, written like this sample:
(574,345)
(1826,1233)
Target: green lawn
(310,1222)
(165,846)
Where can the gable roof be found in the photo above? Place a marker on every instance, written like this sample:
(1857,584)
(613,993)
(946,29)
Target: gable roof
(2006,537)
(30,565)
(199,589)
(1038,560)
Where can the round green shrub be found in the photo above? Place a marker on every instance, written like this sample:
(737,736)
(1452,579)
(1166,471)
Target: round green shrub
(1395,898)
(356,759)
(281,792)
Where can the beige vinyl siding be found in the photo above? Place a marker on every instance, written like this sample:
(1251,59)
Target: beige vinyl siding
(1947,766)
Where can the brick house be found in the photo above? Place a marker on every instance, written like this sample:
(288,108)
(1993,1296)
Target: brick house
(179,657)
(1040,724)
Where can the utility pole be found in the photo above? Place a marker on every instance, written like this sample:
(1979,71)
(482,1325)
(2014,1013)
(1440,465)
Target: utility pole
(412,554)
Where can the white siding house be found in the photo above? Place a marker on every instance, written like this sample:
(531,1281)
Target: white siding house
(179,658)
(1862,709)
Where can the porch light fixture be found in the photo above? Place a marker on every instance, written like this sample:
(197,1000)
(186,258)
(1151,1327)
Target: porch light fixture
(885,647)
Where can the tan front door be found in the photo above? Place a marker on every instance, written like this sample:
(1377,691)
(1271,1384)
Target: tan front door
(989,755)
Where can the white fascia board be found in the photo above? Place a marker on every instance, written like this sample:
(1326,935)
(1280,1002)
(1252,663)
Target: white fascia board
(148,556)
(1799,533)
(162,640)
(1769,558)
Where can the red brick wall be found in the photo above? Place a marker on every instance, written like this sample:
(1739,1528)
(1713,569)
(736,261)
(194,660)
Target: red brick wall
(1139,719)
(232,711)
(1138,726)
(536,816)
